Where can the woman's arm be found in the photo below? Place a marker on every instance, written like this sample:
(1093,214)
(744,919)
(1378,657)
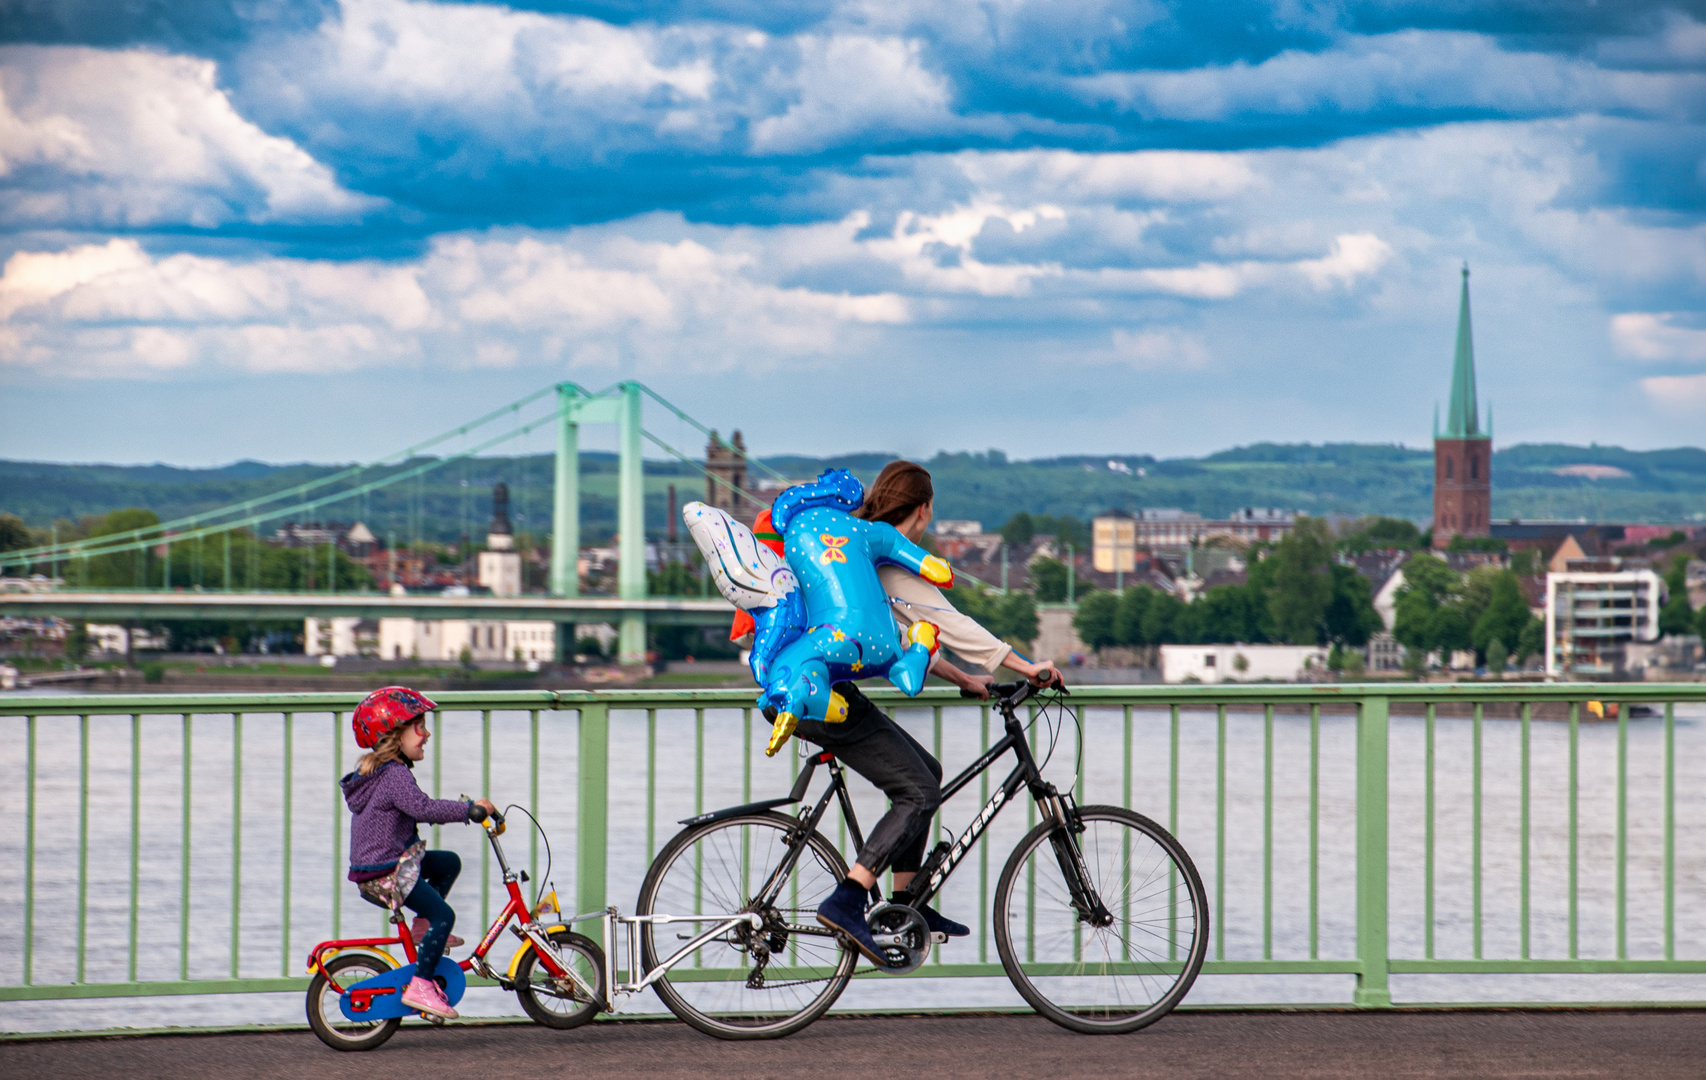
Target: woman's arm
(914,600)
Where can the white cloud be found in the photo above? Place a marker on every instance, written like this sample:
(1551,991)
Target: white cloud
(1161,349)
(471,301)
(127,139)
(845,85)
(1677,394)
(1655,336)
(1410,69)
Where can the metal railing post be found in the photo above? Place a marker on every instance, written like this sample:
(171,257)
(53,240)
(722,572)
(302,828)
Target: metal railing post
(1372,991)
(592,810)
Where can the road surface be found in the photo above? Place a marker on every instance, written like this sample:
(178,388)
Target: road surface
(1646,1044)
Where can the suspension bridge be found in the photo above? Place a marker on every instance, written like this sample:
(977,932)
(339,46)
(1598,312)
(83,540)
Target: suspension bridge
(563,407)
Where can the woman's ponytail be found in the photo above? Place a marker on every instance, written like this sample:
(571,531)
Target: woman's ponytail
(899,489)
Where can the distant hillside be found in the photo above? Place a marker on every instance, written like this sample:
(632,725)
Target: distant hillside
(1529,481)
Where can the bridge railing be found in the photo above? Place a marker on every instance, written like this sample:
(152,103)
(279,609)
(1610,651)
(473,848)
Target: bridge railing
(1447,836)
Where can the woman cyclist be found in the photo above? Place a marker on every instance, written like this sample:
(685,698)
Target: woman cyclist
(877,748)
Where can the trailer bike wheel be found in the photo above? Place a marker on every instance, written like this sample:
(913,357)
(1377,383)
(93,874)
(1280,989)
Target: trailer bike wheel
(1131,970)
(746,983)
(557,1006)
(327,1017)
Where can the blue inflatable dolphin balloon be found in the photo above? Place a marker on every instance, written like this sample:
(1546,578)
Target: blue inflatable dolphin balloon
(848,632)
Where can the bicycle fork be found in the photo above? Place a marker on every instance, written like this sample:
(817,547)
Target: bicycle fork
(1061,809)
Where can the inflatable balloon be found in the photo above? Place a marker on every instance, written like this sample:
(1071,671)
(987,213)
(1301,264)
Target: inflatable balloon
(851,633)
(753,577)
(827,620)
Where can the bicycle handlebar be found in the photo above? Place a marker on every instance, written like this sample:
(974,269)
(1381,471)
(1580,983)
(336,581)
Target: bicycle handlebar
(477,814)
(1014,694)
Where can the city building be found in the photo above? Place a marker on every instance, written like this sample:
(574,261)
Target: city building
(1116,536)
(1593,616)
(1240,663)
(725,476)
(1113,543)
(1463,452)
(500,563)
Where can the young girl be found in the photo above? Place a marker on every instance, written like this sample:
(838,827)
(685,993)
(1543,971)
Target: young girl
(387,859)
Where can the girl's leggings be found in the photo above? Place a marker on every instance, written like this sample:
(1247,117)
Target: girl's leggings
(438,874)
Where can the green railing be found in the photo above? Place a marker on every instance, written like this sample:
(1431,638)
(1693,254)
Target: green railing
(1365,831)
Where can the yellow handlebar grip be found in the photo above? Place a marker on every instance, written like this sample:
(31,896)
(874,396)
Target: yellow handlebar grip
(781,732)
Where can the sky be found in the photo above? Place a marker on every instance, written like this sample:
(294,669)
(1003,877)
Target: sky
(315,231)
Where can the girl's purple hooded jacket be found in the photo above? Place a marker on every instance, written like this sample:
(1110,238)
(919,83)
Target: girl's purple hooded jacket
(386,804)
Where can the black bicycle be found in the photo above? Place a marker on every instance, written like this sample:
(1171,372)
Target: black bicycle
(1100,917)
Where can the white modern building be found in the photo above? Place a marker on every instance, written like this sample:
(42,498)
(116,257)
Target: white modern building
(1240,663)
(1591,617)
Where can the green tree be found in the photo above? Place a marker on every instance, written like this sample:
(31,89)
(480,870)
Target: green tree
(1532,642)
(1134,605)
(1188,624)
(128,568)
(1700,622)
(1016,619)
(14,534)
(1095,620)
(1504,619)
(1429,575)
(1351,618)
(77,641)
(1019,529)
(675,579)
(1676,617)
(1450,630)
(1303,582)
(1380,534)
(1048,580)
(1496,657)
(1158,618)
(1226,616)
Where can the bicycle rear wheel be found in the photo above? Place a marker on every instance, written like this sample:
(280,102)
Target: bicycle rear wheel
(1113,978)
(326,1015)
(745,984)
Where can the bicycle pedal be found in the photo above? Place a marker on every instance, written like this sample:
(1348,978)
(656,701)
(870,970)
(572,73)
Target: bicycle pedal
(937,937)
(435,1021)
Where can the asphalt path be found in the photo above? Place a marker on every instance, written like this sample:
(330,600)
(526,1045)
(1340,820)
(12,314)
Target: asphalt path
(1647,1044)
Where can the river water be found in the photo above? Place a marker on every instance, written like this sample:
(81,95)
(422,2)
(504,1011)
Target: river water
(320,749)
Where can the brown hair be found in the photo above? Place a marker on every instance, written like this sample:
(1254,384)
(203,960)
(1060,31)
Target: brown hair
(899,489)
(388,748)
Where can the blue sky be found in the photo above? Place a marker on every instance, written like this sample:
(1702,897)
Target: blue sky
(248,228)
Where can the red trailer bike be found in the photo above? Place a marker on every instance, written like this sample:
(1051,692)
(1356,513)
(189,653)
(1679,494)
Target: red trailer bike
(355,999)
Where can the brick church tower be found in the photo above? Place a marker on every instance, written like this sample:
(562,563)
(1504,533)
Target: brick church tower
(1463,453)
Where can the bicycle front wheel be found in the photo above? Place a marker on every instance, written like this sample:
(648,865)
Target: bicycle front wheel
(746,983)
(1143,891)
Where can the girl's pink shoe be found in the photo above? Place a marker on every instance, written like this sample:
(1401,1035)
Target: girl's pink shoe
(418,930)
(424,994)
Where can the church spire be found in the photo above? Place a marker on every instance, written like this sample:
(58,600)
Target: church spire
(1462,419)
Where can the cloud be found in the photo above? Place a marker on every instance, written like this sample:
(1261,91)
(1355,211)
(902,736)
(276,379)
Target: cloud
(1677,394)
(1160,349)
(846,86)
(134,139)
(1393,75)
(471,301)
(1656,336)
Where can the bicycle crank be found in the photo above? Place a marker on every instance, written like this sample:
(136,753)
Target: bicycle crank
(901,934)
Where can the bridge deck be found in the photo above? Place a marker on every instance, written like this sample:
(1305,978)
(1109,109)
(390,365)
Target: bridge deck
(1659,1043)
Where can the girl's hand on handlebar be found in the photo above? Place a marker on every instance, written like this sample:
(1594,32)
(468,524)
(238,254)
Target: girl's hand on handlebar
(486,805)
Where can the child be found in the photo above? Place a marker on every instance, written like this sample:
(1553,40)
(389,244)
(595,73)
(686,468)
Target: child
(387,859)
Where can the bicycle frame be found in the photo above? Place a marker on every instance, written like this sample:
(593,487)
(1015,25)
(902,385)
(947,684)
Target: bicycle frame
(1055,807)
(530,929)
